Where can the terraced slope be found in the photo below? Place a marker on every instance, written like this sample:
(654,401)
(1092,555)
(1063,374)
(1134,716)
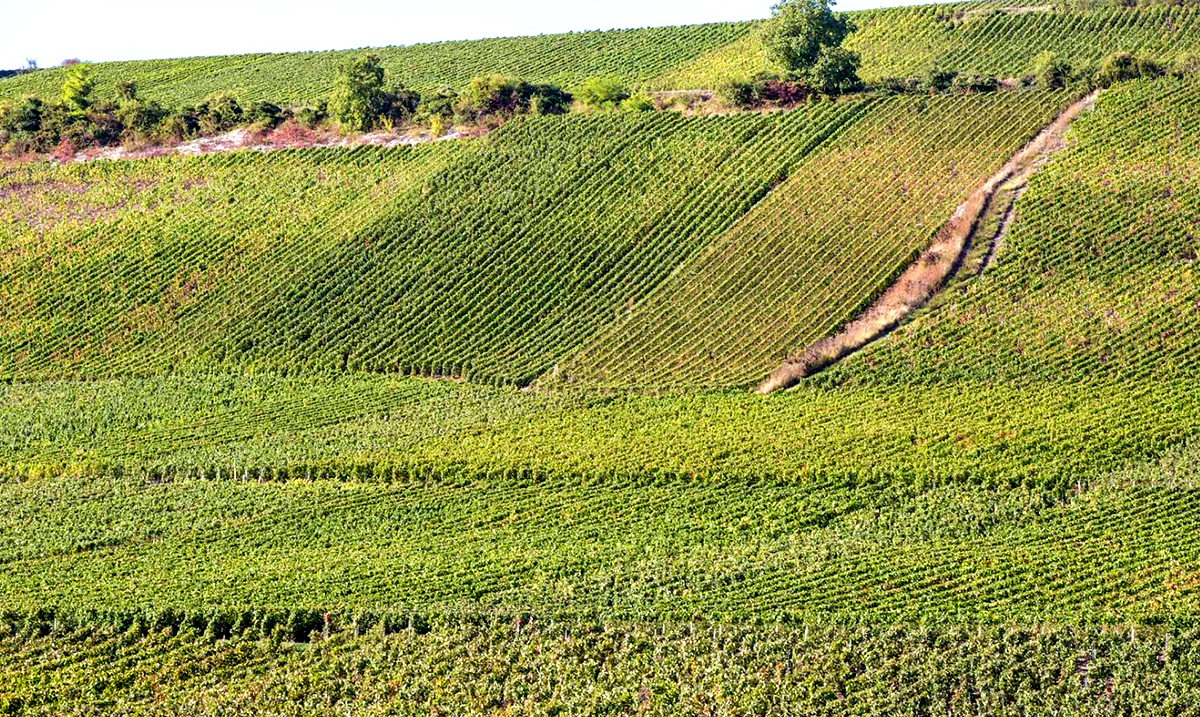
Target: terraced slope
(1097,279)
(285,78)
(490,259)
(813,255)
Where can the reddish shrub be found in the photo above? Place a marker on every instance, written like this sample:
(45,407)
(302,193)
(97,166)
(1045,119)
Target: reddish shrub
(70,61)
(65,151)
(291,134)
(785,93)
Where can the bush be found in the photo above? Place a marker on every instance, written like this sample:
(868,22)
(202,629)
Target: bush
(1117,67)
(439,105)
(604,93)
(640,102)
(976,83)
(550,100)
(309,117)
(1186,64)
(1050,71)
(939,80)
(496,96)
(740,94)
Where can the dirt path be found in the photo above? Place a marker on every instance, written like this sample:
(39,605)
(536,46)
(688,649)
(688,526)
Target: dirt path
(241,139)
(939,262)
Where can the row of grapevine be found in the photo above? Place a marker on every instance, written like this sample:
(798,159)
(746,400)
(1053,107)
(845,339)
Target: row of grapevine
(565,59)
(1097,279)
(490,259)
(402,431)
(546,669)
(826,241)
(616,549)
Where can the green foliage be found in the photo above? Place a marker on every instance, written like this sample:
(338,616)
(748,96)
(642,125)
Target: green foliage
(603,93)
(939,79)
(287,79)
(497,98)
(1186,64)
(77,88)
(836,71)
(739,94)
(801,30)
(402,244)
(1102,261)
(382,662)
(832,216)
(639,102)
(358,101)
(1051,71)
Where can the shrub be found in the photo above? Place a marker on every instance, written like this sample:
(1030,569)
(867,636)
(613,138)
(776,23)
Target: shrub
(976,83)
(739,93)
(640,102)
(496,96)
(439,105)
(219,114)
(939,80)
(1051,71)
(127,90)
(24,118)
(1117,67)
(310,117)
(550,100)
(603,93)
(1186,64)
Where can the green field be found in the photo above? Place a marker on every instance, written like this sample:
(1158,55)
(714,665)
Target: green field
(468,427)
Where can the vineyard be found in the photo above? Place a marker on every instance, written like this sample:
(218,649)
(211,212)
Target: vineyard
(1098,277)
(494,259)
(993,37)
(297,78)
(470,426)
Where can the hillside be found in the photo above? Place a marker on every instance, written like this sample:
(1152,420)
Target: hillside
(993,37)
(470,426)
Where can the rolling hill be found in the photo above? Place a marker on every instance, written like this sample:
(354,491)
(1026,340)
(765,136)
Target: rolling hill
(470,427)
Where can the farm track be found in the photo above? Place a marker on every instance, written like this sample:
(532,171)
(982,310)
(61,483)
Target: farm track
(940,261)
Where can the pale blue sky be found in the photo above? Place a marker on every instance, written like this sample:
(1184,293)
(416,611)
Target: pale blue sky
(99,30)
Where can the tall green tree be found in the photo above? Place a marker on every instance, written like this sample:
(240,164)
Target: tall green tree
(360,96)
(800,31)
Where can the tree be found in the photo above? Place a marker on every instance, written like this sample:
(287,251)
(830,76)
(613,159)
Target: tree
(603,93)
(801,30)
(836,71)
(360,97)
(77,88)
(1050,71)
